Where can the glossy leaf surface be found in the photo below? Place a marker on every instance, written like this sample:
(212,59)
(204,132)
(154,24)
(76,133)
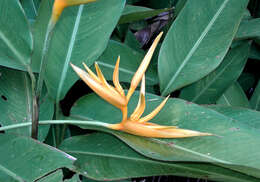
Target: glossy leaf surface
(249,29)
(255,99)
(234,96)
(186,115)
(197,41)
(16,102)
(15,46)
(134,13)
(81,35)
(211,87)
(103,150)
(24,159)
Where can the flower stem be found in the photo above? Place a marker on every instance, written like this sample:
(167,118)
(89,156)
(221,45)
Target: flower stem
(73,122)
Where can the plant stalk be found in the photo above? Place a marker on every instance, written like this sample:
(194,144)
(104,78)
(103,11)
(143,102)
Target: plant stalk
(73,122)
(35,110)
(44,62)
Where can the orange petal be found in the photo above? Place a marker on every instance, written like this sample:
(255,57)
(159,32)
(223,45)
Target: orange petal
(59,5)
(116,78)
(154,112)
(77,2)
(103,79)
(140,129)
(93,76)
(112,97)
(139,110)
(142,68)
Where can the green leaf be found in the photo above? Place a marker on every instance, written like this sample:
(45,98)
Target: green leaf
(131,41)
(103,150)
(57,176)
(129,62)
(15,46)
(254,52)
(75,178)
(24,159)
(197,41)
(246,81)
(234,96)
(16,102)
(243,115)
(30,9)
(255,99)
(214,149)
(210,88)
(80,35)
(134,13)
(249,29)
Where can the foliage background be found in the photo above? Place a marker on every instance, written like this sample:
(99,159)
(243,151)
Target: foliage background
(207,61)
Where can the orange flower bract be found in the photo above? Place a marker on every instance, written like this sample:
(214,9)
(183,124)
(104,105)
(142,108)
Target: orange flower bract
(135,124)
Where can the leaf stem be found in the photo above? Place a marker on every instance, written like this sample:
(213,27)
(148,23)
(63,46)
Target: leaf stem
(73,122)
(43,64)
(35,110)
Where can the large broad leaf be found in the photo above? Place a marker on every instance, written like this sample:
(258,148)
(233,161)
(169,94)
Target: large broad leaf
(103,150)
(15,46)
(134,13)
(211,87)
(197,41)
(254,52)
(81,34)
(249,29)
(234,96)
(16,102)
(255,99)
(24,159)
(215,149)
(57,176)
(129,62)
(246,81)
(30,8)
(243,115)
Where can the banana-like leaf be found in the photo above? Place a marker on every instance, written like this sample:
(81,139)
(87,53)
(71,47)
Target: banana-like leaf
(134,13)
(81,35)
(218,149)
(243,115)
(30,8)
(57,176)
(197,41)
(255,99)
(234,96)
(249,29)
(211,87)
(24,159)
(102,150)
(16,102)
(15,35)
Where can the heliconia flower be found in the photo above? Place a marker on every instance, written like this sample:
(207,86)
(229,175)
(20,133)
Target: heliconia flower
(135,124)
(59,5)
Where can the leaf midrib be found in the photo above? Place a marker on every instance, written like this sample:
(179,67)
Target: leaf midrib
(214,79)
(69,52)
(11,173)
(11,47)
(196,45)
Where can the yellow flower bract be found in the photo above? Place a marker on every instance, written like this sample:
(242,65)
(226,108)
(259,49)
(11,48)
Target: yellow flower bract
(115,95)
